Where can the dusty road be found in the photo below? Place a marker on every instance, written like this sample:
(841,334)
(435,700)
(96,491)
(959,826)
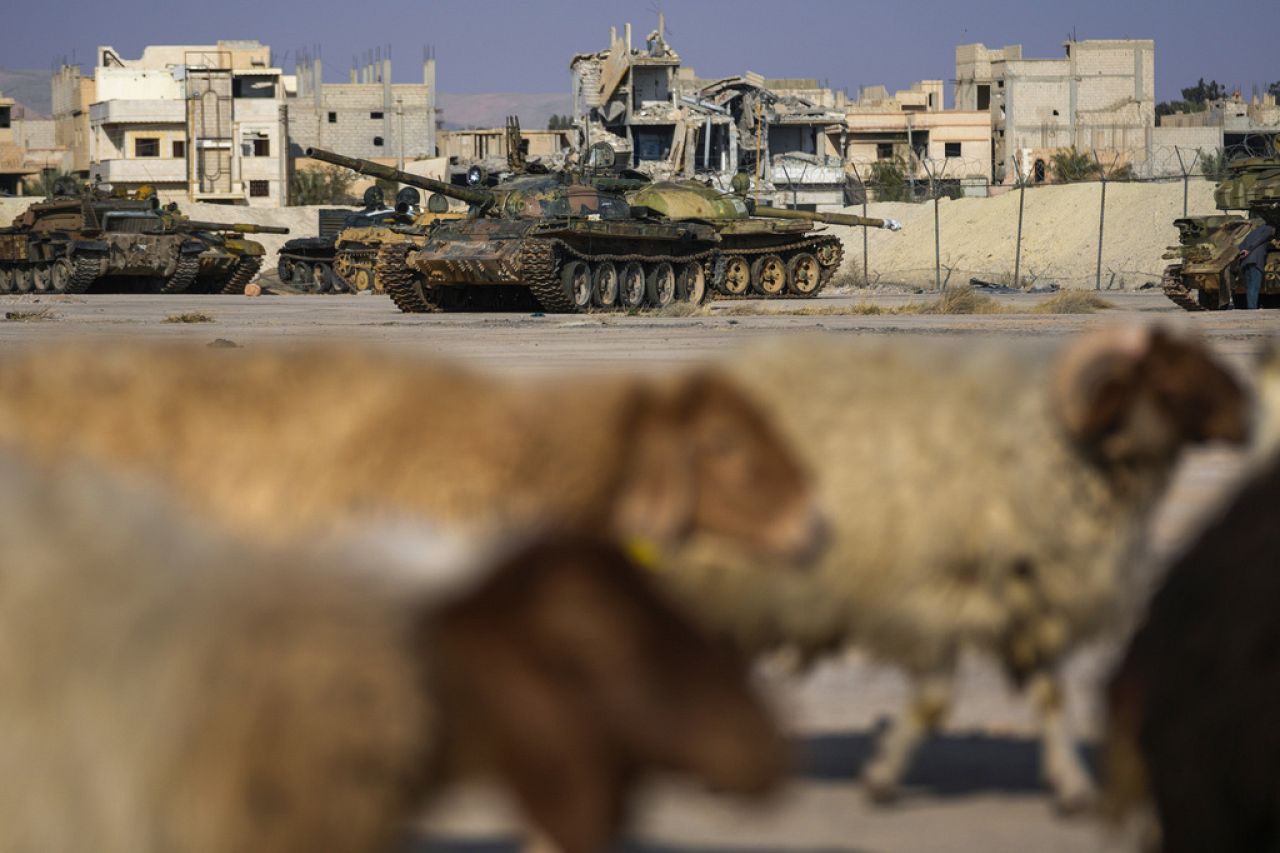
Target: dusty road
(974,789)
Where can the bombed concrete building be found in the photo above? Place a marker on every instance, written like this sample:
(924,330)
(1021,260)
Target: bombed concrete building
(665,121)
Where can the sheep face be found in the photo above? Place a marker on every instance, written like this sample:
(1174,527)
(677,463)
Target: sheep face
(568,676)
(704,458)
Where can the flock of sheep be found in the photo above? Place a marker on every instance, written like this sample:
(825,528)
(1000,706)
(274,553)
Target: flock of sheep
(248,605)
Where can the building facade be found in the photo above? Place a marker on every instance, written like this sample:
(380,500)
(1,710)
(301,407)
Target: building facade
(200,122)
(1099,97)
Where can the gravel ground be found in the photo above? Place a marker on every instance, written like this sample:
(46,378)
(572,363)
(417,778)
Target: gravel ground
(974,789)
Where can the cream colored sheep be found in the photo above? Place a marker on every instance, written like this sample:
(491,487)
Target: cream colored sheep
(163,688)
(982,497)
(284,441)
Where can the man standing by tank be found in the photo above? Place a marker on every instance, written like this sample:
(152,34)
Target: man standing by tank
(1253,258)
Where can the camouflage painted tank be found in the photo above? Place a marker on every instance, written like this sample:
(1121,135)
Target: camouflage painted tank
(575,241)
(229,261)
(1207,275)
(83,238)
(357,246)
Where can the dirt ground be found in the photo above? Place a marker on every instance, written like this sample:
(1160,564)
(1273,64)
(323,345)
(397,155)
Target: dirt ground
(974,789)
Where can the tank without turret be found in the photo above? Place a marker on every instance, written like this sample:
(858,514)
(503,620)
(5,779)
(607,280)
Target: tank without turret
(581,239)
(83,238)
(229,260)
(1207,274)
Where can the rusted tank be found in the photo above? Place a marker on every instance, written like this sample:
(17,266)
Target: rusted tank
(357,246)
(312,263)
(1207,274)
(82,238)
(229,261)
(576,240)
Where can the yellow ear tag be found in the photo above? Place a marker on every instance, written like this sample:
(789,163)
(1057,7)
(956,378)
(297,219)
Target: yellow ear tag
(644,553)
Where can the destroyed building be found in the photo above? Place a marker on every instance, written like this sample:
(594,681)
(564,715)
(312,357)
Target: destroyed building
(786,135)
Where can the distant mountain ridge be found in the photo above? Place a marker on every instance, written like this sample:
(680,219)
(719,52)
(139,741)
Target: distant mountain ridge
(31,89)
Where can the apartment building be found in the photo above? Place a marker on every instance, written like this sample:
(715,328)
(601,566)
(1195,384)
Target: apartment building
(1099,96)
(198,122)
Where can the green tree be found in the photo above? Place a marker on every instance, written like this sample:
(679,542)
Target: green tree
(1195,98)
(42,184)
(1071,164)
(889,180)
(1213,164)
(559,122)
(325,185)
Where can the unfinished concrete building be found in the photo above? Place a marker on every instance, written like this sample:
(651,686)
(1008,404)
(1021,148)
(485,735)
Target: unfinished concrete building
(665,121)
(73,93)
(1099,97)
(369,116)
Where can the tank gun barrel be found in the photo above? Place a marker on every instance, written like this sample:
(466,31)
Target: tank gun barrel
(232,227)
(828,218)
(471,195)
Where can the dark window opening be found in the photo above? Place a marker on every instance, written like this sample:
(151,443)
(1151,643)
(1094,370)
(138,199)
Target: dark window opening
(146,146)
(376,116)
(262,148)
(1040,172)
(253,86)
(179,148)
(952,149)
(984,96)
(4,116)
(377,142)
(1055,112)
(333,118)
(259,189)
(884,150)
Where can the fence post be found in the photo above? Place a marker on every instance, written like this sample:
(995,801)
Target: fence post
(866,275)
(1017,250)
(1102,216)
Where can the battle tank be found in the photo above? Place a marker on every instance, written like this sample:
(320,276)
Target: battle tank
(82,238)
(1207,275)
(573,241)
(357,246)
(229,262)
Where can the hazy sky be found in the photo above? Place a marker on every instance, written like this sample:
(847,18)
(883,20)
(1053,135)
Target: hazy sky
(515,46)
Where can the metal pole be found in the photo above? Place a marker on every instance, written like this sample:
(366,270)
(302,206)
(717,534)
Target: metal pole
(937,246)
(1102,219)
(1017,252)
(866,276)
(1186,178)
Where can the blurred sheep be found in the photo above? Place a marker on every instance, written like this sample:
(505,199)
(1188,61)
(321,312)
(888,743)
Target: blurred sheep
(165,688)
(984,497)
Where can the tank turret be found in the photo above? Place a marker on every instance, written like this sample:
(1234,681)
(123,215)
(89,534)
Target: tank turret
(475,196)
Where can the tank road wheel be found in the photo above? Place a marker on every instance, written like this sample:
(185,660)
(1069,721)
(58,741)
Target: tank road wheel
(737,275)
(319,278)
(660,285)
(604,285)
(22,280)
(804,273)
(632,287)
(361,280)
(575,280)
(6,280)
(60,275)
(41,278)
(286,269)
(828,253)
(691,283)
(769,275)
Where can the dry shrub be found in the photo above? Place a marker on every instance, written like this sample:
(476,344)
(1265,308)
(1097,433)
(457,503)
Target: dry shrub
(1072,302)
(29,316)
(957,300)
(189,317)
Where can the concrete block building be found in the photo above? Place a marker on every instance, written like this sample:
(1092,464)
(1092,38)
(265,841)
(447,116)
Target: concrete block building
(1099,96)
(369,117)
(200,122)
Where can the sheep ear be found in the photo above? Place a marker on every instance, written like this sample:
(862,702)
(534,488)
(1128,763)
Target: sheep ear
(1134,391)
(656,497)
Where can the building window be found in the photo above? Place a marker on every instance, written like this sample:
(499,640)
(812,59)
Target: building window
(262,148)
(179,148)
(984,96)
(376,116)
(333,118)
(884,150)
(377,142)
(259,189)
(146,146)
(4,116)
(253,86)
(952,149)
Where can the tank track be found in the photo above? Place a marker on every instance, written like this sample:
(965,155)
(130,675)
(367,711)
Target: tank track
(398,281)
(809,244)
(1179,293)
(84,272)
(183,276)
(246,268)
(538,267)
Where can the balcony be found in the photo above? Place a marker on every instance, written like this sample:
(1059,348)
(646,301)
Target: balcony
(138,112)
(147,170)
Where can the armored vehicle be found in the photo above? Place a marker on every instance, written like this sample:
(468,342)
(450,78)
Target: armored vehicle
(229,262)
(82,238)
(1207,275)
(357,246)
(574,240)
